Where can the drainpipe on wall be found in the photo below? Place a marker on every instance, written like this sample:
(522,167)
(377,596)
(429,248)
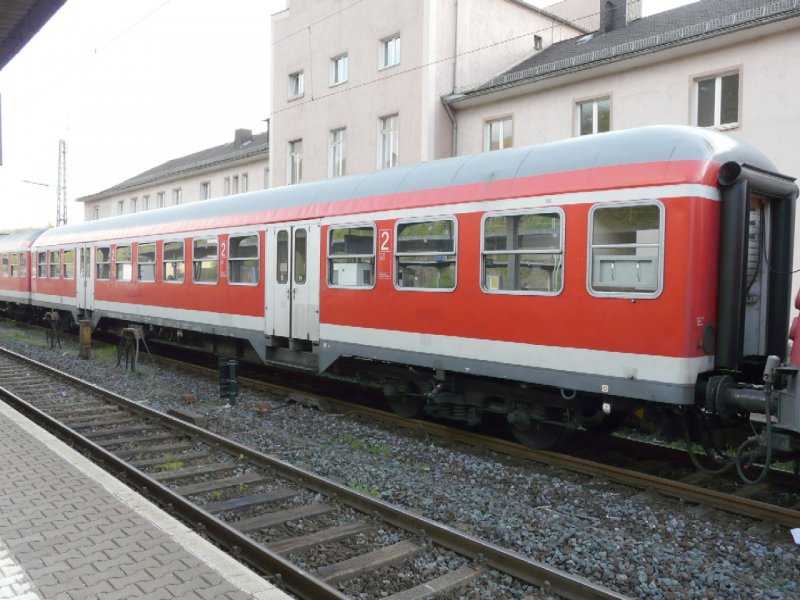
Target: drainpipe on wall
(449,111)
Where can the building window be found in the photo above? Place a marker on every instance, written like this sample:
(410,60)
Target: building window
(243,263)
(235,184)
(174,263)
(499,134)
(537,42)
(120,207)
(626,249)
(266,178)
(351,256)
(96,213)
(226,186)
(160,199)
(244,182)
(103,263)
(337,156)
(389,52)
(68,265)
(177,197)
(388,136)
(339,69)
(146,262)
(717,101)
(523,253)
(146,202)
(134,202)
(122,262)
(55,263)
(425,255)
(295,161)
(594,116)
(205,260)
(205,190)
(296,87)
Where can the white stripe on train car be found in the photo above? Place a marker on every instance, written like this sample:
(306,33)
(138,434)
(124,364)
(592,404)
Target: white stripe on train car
(193,317)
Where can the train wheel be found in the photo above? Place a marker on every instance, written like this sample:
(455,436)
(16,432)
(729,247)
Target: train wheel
(406,405)
(539,435)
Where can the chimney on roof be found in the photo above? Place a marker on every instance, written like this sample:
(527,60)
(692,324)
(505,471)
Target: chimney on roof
(242,137)
(615,14)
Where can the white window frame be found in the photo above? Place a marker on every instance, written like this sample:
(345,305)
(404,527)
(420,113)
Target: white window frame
(134,202)
(165,260)
(145,202)
(160,199)
(389,52)
(244,185)
(120,207)
(234,259)
(339,74)
(399,255)
(177,196)
(354,258)
(501,123)
(337,152)
(205,259)
(294,163)
(388,139)
(595,103)
(296,85)
(660,245)
(120,265)
(96,214)
(717,78)
(522,213)
(205,190)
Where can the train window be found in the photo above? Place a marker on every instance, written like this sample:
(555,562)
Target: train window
(351,256)
(174,262)
(41,265)
(69,264)
(4,265)
(282,256)
(55,263)
(243,264)
(103,262)
(425,255)
(13,265)
(300,250)
(205,260)
(23,264)
(123,267)
(146,262)
(626,249)
(523,253)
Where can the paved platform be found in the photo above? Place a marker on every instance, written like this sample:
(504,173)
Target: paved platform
(70,531)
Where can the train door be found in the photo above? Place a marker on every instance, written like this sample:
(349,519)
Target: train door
(85,279)
(293,281)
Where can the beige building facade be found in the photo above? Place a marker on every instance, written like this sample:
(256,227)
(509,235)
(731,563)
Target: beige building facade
(358,87)
(233,168)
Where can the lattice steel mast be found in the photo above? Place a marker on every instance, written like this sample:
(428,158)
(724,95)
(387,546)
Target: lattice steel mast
(61,194)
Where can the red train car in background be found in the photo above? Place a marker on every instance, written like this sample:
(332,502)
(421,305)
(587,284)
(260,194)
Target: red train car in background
(15,270)
(559,285)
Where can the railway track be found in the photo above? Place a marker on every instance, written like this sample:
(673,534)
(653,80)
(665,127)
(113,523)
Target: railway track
(321,538)
(776,500)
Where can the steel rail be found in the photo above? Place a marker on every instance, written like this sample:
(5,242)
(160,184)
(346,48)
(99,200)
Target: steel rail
(755,509)
(507,561)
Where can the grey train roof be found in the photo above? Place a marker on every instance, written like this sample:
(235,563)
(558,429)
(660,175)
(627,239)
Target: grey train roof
(647,144)
(21,236)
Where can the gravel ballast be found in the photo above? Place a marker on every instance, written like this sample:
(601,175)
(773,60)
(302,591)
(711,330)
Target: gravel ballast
(635,543)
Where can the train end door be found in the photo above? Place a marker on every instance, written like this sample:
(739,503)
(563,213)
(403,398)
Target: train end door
(85,282)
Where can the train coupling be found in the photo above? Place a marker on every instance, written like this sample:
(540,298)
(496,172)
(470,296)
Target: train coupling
(778,399)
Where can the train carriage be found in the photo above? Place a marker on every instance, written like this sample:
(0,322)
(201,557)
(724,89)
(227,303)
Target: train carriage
(552,284)
(15,270)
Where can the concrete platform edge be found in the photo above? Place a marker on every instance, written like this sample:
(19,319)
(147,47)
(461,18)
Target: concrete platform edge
(236,573)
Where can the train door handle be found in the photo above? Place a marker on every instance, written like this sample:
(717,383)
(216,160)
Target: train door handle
(294,293)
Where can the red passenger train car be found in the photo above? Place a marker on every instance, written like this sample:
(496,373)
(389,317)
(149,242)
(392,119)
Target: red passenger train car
(559,285)
(15,270)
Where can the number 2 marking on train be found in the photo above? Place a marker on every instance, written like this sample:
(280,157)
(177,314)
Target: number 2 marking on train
(384,241)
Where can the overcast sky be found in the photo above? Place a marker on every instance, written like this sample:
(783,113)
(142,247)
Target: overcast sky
(130,84)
